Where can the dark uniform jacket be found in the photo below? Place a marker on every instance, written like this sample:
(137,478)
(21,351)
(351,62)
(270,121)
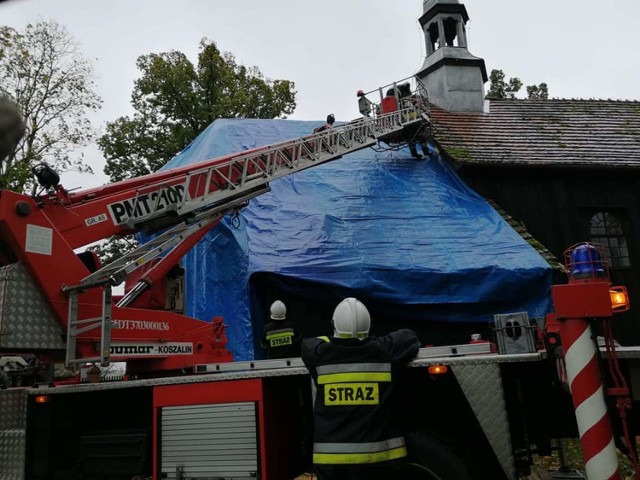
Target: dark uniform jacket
(280,340)
(354,421)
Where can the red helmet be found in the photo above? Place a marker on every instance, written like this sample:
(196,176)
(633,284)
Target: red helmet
(360,93)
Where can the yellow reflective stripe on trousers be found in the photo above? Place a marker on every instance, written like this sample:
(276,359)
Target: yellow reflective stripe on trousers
(359,452)
(354,377)
(359,458)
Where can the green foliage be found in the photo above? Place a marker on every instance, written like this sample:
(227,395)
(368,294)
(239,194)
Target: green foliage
(114,248)
(499,88)
(459,153)
(538,92)
(574,461)
(175,100)
(45,75)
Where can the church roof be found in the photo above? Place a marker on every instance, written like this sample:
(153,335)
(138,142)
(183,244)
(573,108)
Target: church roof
(556,132)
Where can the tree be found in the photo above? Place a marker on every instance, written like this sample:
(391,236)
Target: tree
(176,100)
(45,75)
(114,247)
(499,88)
(538,92)
(12,127)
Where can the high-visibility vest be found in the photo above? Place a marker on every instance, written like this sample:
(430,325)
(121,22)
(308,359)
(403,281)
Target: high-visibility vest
(280,337)
(354,421)
(280,340)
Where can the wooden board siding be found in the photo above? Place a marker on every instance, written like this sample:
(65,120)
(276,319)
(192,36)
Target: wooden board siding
(556,206)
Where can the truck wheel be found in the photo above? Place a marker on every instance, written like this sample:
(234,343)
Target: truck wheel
(431,459)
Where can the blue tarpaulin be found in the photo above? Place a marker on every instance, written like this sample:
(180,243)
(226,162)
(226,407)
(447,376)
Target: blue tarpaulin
(377,225)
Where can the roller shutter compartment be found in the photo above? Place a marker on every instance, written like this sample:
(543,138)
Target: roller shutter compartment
(204,441)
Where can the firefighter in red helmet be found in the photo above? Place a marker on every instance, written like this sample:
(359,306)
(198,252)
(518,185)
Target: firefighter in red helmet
(355,433)
(364,104)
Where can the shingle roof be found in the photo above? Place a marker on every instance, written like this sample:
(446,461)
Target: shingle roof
(543,132)
(520,227)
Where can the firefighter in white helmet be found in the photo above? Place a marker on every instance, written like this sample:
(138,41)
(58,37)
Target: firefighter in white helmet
(280,339)
(355,434)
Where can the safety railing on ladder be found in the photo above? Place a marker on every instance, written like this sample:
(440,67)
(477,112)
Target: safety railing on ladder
(409,92)
(220,186)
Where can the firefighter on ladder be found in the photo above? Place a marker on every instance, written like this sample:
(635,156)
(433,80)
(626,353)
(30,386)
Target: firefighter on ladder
(355,434)
(280,338)
(330,121)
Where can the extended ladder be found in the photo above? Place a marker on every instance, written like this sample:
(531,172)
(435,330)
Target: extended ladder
(215,190)
(215,183)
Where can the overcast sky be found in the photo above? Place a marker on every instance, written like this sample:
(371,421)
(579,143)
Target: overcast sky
(332,48)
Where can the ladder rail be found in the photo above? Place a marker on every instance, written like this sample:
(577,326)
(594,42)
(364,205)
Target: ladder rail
(76,327)
(256,170)
(213,191)
(328,145)
(234,174)
(116,272)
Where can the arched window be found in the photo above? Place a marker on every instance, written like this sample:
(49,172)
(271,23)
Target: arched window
(607,230)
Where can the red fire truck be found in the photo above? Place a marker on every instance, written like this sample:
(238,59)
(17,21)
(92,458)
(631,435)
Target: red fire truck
(185,410)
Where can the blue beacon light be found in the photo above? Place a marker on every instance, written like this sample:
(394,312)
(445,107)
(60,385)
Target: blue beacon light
(586,262)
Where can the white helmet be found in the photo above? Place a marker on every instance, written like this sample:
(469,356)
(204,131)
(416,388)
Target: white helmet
(351,319)
(278,310)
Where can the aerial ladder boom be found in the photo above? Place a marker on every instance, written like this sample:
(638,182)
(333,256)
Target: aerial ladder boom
(188,202)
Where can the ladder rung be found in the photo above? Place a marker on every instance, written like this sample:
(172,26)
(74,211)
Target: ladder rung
(226,185)
(103,323)
(88,328)
(85,321)
(76,361)
(103,274)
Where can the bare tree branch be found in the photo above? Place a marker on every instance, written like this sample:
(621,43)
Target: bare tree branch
(42,70)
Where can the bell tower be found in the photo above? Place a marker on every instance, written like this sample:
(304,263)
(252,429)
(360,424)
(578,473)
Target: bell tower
(453,77)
